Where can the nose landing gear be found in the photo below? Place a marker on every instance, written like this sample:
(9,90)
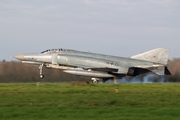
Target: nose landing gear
(41,71)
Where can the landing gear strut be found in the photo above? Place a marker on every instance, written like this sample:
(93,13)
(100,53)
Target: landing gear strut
(41,71)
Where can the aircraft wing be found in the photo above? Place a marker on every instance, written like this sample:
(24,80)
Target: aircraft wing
(102,69)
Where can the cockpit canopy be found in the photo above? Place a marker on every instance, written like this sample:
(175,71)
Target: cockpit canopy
(54,50)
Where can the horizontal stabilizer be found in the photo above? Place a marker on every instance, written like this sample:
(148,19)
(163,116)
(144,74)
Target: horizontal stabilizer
(159,55)
(167,72)
(134,71)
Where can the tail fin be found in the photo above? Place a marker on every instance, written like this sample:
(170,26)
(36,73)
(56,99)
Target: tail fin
(159,55)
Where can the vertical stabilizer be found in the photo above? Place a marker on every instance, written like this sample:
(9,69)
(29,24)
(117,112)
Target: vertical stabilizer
(159,55)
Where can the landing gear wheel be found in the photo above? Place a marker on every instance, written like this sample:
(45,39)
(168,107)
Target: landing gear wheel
(95,81)
(41,76)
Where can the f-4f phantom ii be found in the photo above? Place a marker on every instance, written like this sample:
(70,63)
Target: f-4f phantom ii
(99,66)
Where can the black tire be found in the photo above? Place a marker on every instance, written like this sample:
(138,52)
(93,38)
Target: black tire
(95,81)
(41,76)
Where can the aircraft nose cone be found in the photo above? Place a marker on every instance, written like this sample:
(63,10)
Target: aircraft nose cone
(19,57)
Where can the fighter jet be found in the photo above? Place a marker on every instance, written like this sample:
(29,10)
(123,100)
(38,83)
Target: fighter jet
(99,67)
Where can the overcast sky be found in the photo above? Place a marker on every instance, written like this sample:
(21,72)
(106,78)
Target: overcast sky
(115,27)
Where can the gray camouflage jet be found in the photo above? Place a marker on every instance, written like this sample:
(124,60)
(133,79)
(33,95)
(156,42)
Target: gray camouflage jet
(99,66)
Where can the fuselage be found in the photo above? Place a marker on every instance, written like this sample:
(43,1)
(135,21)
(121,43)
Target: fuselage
(87,60)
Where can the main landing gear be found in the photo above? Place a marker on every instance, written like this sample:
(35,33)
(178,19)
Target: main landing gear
(95,80)
(41,71)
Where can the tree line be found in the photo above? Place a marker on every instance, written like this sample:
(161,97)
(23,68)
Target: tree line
(15,72)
